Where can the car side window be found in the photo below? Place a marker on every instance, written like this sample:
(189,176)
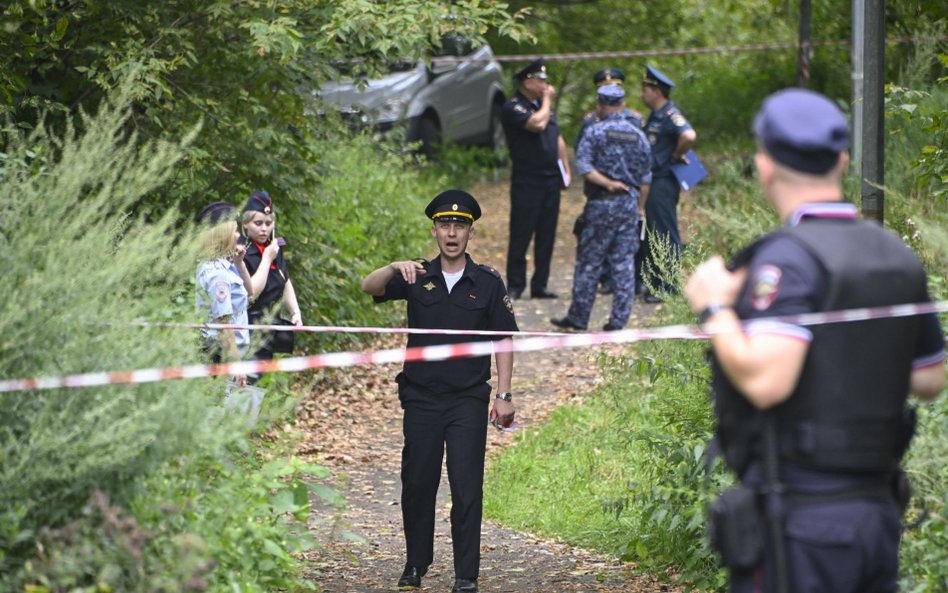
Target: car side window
(454,44)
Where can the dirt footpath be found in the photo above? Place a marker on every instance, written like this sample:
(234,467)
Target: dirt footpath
(352,424)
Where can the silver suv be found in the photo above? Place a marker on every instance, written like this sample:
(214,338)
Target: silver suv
(440,100)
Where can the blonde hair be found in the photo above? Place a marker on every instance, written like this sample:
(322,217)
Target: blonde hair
(218,239)
(249,214)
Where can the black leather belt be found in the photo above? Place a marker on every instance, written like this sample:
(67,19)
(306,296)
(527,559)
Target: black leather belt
(605,195)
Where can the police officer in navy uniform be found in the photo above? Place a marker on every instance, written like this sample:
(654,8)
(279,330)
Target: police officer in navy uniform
(536,145)
(445,402)
(832,398)
(600,78)
(671,137)
(267,267)
(615,159)
(603,77)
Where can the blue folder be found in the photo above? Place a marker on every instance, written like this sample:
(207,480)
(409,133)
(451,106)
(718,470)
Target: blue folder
(691,174)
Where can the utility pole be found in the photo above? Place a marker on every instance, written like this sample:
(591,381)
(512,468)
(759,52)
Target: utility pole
(869,104)
(805,44)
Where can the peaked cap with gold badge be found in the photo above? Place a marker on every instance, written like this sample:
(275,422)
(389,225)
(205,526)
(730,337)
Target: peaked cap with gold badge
(535,69)
(608,76)
(453,205)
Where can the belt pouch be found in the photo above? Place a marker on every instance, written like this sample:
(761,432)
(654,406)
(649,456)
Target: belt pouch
(736,528)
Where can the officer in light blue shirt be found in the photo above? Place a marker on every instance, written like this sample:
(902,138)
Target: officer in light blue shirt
(221,295)
(223,285)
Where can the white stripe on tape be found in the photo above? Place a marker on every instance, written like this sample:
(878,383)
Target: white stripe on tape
(446,351)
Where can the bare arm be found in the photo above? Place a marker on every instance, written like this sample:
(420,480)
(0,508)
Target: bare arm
(685,141)
(541,117)
(229,351)
(502,412)
(259,278)
(927,382)
(563,154)
(244,273)
(289,299)
(375,283)
(504,366)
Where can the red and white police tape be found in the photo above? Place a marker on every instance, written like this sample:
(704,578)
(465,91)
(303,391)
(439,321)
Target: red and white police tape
(648,53)
(543,341)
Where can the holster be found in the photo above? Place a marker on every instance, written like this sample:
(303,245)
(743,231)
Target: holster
(736,528)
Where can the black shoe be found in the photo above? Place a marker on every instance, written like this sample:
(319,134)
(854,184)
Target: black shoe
(464,586)
(565,323)
(611,328)
(543,293)
(515,293)
(411,578)
(652,299)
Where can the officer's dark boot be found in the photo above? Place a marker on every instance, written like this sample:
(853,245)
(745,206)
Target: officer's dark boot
(464,586)
(411,578)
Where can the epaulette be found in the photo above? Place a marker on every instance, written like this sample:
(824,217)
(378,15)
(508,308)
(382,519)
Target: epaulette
(422,261)
(489,270)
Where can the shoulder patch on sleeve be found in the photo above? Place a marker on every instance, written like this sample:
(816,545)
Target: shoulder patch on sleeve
(519,108)
(765,286)
(679,120)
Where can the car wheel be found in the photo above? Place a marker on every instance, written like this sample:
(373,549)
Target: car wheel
(498,139)
(429,132)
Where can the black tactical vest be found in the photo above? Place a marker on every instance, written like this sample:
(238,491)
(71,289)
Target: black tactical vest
(848,412)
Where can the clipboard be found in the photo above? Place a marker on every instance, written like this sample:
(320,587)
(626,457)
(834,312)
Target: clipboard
(690,174)
(564,176)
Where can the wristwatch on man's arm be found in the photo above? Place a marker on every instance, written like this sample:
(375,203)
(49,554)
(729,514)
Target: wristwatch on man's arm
(505,395)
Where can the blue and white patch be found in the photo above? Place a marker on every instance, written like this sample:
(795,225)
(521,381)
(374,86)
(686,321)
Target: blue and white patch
(221,291)
(765,286)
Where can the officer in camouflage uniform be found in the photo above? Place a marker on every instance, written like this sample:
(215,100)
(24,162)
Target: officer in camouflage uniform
(603,77)
(615,157)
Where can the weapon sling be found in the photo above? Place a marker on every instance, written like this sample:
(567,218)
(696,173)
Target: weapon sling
(773,491)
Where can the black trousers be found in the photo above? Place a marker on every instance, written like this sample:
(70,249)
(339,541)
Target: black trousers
(534,212)
(661,216)
(431,421)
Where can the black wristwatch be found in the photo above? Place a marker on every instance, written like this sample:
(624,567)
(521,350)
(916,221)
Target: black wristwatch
(506,396)
(710,310)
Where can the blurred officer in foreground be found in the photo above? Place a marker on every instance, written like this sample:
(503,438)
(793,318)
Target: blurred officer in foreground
(445,402)
(671,137)
(615,160)
(537,151)
(814,418)
(600,78)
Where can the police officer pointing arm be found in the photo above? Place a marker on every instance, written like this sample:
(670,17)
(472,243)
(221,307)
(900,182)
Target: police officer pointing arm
(816,416)
(445,402)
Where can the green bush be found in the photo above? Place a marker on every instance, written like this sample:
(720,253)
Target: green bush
(125,487)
